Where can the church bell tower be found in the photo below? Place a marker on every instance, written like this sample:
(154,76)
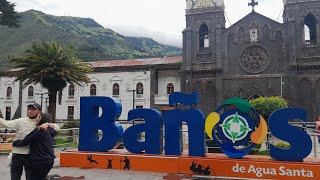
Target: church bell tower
(301,17)
(202,44)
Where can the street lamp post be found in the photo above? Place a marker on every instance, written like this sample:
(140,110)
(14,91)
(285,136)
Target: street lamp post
(41,97)
(281,86)
(133,96)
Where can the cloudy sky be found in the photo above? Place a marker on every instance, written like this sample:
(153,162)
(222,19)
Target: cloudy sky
(162,20)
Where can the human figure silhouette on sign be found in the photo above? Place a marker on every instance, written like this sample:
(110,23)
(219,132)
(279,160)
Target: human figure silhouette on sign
(197,169)
(127,164)
(206,171)
(89,158)
(109,163)
(193,167)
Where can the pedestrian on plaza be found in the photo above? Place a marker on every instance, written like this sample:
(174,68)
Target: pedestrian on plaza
(318,128)
(41,156)
(23,126)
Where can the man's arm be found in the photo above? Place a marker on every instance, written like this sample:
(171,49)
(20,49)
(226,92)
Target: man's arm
(28,139)
(14,124)
(52,125)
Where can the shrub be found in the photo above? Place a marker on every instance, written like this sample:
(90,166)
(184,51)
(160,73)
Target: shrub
(255,149)
(265,106)
(71,124)
(283,145)
(263,153)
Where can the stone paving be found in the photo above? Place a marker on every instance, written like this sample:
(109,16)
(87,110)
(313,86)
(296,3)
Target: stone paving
(64,173)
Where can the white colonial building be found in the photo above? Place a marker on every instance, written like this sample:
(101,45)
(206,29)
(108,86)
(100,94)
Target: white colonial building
(138,83)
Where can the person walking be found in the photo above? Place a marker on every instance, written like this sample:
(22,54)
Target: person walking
(41,156)
(23,126)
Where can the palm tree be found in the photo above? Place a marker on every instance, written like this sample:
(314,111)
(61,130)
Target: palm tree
(8,16)
(53,66)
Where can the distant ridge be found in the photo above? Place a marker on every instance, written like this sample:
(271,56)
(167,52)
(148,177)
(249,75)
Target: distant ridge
(92,41)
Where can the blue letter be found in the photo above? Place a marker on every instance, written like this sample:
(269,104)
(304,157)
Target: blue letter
(90,123)
(173,121)
(152,128)
(299,140)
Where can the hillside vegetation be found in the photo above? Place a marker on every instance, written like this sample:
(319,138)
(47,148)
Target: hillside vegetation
(92,41)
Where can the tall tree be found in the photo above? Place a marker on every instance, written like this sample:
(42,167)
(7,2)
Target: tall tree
(8,15)
(53,66)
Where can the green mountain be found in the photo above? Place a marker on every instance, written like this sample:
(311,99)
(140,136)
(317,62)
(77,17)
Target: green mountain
(93,42)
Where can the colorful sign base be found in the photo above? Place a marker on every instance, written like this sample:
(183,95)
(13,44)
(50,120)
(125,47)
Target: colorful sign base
(258,167)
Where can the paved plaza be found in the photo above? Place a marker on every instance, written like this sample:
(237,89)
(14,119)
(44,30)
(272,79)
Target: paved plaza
(64,173)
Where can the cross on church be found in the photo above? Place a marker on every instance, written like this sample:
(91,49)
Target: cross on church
(253,4)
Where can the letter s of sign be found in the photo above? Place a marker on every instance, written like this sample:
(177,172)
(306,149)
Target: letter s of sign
(91,122)
(300,141)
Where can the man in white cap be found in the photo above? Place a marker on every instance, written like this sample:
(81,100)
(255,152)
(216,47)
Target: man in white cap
(23,127)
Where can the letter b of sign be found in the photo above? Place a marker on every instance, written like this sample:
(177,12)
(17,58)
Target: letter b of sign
(91,122)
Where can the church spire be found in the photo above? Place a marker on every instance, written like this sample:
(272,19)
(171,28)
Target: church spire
(253,4)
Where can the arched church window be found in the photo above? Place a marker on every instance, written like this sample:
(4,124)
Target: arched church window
(241,35)
(279,36)
(266,32)
(30,92)
(310,29)
(93,90)
(170,88)
(203,36)
(230,39)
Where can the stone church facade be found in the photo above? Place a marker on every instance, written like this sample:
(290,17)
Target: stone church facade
(254,57)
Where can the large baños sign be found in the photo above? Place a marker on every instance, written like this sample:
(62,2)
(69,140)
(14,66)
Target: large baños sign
(235,126)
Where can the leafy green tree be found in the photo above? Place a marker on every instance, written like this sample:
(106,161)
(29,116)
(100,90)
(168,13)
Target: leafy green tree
(53,66)
(266,105)
(8,15)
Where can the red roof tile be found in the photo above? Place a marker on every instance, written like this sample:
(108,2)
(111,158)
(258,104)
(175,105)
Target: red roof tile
(137,62)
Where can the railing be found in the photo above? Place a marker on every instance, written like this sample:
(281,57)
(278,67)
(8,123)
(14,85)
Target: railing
(69,138)
(66,138)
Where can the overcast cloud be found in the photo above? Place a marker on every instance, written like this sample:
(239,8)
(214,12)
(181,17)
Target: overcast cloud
(162,20)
